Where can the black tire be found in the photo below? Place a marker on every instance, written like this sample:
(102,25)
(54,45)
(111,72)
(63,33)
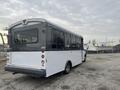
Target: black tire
(85,58)
(67,68)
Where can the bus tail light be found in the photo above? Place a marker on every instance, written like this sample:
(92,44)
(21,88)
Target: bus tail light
(43,62)
(42,49)
(42,56)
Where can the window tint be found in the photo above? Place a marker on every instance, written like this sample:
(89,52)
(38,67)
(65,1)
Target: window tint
(26,36)
(49,38)
(67,41)
(81,45)
(54,39)
(59,40)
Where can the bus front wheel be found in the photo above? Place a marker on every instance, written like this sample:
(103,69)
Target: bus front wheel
(67,68)
(85,58)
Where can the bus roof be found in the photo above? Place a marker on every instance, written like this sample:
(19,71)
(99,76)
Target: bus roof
(37,21)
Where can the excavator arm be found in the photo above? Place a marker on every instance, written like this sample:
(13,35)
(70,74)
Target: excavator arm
(1,36)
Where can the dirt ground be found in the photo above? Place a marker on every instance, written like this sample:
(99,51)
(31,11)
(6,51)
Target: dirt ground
(100,72)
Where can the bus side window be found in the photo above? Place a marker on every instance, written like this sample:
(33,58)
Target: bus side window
(73,43)
(67,41)
(81,44)
(57,40)
(49,38)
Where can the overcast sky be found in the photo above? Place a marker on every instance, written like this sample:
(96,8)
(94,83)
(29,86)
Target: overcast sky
(93,19)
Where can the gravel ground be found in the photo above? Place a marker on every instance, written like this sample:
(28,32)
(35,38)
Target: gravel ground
(99,72)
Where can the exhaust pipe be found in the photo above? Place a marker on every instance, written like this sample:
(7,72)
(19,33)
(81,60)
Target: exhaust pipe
(14,73)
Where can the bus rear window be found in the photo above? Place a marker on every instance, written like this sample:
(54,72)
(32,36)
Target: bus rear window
(26,36)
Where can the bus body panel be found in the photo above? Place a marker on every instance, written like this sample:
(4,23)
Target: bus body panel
(26,59)
(56,60)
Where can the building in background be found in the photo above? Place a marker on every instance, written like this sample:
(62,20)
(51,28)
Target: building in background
(116,48)
(103,47)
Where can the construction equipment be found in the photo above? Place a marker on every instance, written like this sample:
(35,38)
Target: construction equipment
(3,46)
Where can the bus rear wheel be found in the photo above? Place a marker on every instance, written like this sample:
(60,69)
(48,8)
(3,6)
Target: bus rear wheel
(67,68)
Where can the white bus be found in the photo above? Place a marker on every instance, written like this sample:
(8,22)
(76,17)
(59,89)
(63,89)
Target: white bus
(40,48)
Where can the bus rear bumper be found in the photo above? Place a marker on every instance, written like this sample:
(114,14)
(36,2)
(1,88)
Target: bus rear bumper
(29,71)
